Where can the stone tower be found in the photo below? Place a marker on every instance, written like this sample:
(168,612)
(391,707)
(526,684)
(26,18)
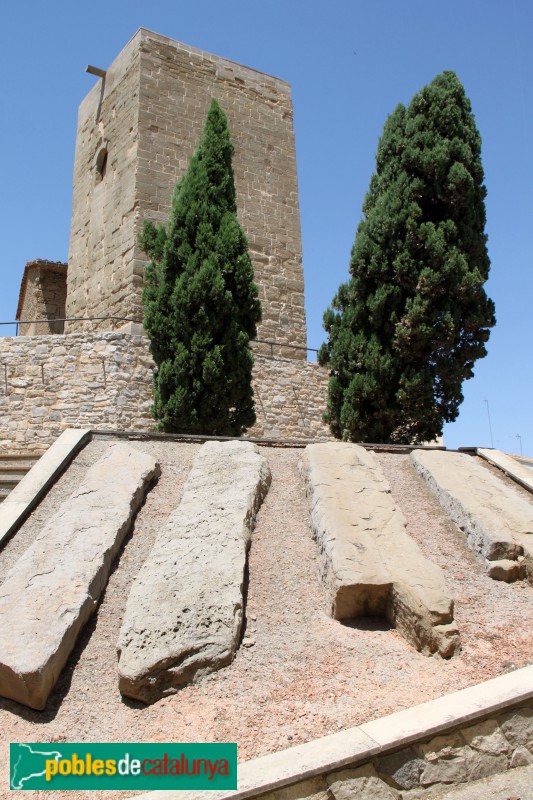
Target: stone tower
(137,129)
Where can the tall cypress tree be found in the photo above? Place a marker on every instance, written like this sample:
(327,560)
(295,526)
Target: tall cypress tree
(201,304)
(407,328)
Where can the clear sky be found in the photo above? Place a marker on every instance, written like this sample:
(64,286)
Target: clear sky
(349,63)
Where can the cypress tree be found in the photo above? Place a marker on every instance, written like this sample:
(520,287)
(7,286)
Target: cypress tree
(201,304)
(407,328)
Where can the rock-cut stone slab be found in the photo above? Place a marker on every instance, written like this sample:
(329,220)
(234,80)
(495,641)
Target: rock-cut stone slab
(53,589)
(368,562)
(184,614)
(517,471)
(497,520)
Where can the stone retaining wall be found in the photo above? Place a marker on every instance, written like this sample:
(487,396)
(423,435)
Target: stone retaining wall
(103,380)
(466,754)
(49,383)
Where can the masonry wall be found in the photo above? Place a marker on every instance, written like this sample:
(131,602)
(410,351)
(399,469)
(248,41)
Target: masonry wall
(44,298)
(290,399)
(149,115)
(101,275)
(103,380)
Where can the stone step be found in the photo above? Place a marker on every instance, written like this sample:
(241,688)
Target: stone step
(10,457)
(54,587)
(497,520)
(184,613)
(10,465)
(10,478)
(368,562)
(13,468)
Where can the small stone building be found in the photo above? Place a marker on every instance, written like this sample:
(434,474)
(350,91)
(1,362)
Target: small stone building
(42,296)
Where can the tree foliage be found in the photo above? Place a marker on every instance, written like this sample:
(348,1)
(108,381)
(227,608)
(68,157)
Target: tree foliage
(407,328)
(201,304)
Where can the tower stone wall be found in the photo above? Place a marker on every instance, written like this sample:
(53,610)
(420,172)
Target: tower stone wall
(137,129)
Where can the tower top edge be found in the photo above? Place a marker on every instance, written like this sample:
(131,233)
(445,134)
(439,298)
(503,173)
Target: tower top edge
(143,33)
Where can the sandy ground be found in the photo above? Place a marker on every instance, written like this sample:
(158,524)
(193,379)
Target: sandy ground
(306,675)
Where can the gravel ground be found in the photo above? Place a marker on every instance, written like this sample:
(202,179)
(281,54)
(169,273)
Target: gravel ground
(305,675)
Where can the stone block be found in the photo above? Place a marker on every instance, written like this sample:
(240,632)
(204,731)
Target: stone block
(517,727)
(479,764)
(369,564)
(521,757)
(403,768)
(506,570)
(362,783)
(446,770)
(486,737)
(497,521)
(53,589)
(184,614)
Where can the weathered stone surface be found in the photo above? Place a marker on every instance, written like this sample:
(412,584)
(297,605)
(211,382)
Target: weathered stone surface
(486,737)
(290,398)
(517,471)
(498,522)
(444,745)
(33,486)
(445,770)
(184,613)
(521,757)
(505,570)
(517,727)
(510,785)
(403,767)
(362,783)
(53,589)
(479,764)
(369,564)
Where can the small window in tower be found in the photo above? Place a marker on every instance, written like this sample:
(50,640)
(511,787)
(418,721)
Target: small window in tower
(101,165)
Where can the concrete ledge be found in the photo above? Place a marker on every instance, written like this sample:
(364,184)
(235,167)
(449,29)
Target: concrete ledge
(26,495)
(511,467)
(451,710)
(358,745)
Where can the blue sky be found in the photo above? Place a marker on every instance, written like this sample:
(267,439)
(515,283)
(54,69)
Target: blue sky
(349,64)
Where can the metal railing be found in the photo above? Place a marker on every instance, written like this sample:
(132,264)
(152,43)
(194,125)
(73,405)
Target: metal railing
(49,320)
(17,323)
